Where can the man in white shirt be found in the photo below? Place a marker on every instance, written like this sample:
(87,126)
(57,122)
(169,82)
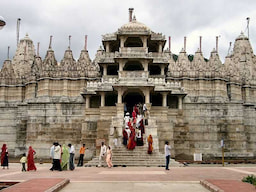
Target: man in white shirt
(56,157)
(103,150)
(71,157)
(167,152)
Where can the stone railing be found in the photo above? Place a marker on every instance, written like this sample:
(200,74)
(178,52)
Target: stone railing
(133,50)
(133,75)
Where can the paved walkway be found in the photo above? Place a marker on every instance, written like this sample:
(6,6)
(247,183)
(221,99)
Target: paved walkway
(182,179)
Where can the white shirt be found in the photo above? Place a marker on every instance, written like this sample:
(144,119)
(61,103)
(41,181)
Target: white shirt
(57,152)
(72,149)
(167,150)
(103,150)
(52,151)
(128,132)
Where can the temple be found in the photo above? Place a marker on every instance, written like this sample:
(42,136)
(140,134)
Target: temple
(193,102)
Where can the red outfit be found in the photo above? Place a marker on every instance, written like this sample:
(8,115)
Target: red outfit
(131,144)
(150,142)
(4,156)
(31,163)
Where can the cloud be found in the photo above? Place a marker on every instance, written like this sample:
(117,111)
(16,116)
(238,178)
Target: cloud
(77,18)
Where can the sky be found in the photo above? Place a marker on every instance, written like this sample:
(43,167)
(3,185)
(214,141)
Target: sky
(179,18)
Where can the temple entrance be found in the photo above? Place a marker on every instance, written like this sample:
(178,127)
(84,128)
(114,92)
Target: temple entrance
(132,98)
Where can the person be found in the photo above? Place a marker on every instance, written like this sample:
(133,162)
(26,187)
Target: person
(150,144)
(64,158)
(115,136)
(109,157)
(56,157)
(139,138)
(131,143)
(126,118)
(30,163)
(103,150)
(71,157)
(4,157)
(167,152)
(125,136)
(81,157)
(23,161)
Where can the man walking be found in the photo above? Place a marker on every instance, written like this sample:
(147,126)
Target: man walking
(81,157)
(71,157)
(167,151)
(103,150)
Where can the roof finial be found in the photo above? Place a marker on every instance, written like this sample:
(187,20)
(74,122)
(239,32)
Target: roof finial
(200,44)
(185,43)
(85,43)
(50,44)
(134,18)
(8,53)
(38,49)
(130,14)
(69,41)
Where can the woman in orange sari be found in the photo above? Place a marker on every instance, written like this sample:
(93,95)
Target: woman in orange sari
(31,163)
(150,142)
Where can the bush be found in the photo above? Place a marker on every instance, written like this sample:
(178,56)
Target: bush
(250,179)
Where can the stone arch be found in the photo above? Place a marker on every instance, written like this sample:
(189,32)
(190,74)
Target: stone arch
(133,42)
(133,66)
(132,97)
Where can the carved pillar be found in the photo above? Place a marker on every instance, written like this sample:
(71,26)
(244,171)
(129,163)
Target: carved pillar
(104,70)
(164,100)
(107,47)
(180,101)
(145,65)
(102,99)
(121,65)
(144,40)
(160,47)
(162,69)
(120,94)
(147,95)
(87,101)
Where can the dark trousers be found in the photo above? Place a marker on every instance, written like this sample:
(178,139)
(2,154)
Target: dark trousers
(23,167)
(81,160)
(56,165)
(71,161)
(167,161)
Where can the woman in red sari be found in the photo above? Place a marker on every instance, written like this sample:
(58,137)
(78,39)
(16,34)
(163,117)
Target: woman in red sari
(4,156)
(150,142)
(31,163)
(131,144)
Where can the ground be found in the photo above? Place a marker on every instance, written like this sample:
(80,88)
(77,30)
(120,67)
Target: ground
(182,179)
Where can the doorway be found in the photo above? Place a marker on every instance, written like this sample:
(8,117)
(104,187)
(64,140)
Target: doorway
(132,98)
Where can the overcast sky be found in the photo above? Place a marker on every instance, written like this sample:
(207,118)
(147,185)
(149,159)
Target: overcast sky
(61,18)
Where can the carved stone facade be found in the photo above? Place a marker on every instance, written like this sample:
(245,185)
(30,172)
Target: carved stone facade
(193,103)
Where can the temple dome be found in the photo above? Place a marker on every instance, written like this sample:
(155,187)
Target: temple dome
(134,25)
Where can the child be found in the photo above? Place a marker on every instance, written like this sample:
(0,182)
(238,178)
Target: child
(23,161)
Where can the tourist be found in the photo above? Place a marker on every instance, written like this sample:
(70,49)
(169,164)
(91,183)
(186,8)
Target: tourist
(30,163)
(81,156)
(125,135)
(23,161)
(150,144)
(167,152)
(115,136)
(134,116)
(71,157)
(4,157)
(64,158)
(126,119)
(109,157)
(103,150)
(139,138)
(131,143)
(56,157)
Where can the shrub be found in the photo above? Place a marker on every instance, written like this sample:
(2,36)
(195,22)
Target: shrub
(250,179)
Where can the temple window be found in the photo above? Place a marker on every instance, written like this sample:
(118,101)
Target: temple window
(133,66)
(112,70)
(154,70)
(156,99)
(111,99)
(133,42)
(95,101)
(172,102)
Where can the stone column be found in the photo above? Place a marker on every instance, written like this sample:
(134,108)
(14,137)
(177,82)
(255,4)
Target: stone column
(121,65)
(107,47)
(162,69)
(164,100)
(147,95)
(160,48)
(102,99)
(104,70)
(122,40)
(87,101)
(120,94)
(180,102)
(145,65)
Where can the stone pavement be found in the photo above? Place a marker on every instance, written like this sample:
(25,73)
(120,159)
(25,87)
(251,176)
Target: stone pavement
(182,179)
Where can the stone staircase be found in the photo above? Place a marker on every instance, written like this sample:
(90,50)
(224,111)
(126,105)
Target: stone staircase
(135,158)
(138,156)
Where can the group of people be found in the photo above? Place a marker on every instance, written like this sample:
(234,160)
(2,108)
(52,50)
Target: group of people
(105,154)
(63,156)
(134,128)
(29,159)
